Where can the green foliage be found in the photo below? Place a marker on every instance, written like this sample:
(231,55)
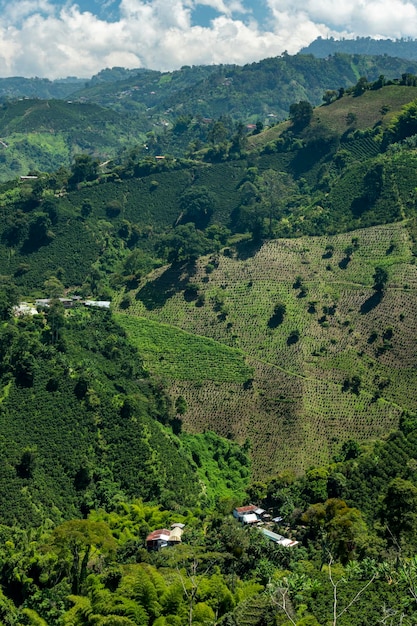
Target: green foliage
(73,542)
(197,205)
(301,114)
(184,244)
(170,352)
(84,169)
(8,299)
(342,528)
(380,278)
(277,316)
(222,466)
(27,464)
(405,124)
(398,513)
(55,408)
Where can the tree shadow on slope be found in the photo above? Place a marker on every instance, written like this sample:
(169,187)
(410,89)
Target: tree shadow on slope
(371,302)
(247,249)
(156,293)
(319,148)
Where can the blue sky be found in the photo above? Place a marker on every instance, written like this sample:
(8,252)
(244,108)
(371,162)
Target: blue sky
(53,39)
(201,15)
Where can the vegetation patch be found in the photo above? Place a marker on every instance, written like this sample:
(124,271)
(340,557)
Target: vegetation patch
(173,353)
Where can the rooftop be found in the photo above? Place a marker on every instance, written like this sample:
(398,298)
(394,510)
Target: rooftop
(161,533)
(250,508)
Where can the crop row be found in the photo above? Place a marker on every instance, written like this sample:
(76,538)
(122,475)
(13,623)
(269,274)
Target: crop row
(176,354)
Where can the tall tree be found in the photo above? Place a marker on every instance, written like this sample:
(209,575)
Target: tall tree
(301,114)
(399,513)
(84,168)
(73,543)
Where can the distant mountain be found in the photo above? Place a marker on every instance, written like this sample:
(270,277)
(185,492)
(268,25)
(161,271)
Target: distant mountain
(19,87)
(245,93)
(400,48)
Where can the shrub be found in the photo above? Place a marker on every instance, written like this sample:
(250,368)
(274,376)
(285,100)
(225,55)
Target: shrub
(293,337)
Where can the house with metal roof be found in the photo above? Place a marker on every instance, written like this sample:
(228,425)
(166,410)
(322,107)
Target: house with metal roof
(279,539)
(249,514)
(162,537)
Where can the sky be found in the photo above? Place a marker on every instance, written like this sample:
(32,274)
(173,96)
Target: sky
(52,39)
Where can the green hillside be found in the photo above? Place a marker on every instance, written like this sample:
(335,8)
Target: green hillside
(44,124)
(300,403)
(83,425)
(43,135)
(230,323)
(243,93)
(175,354)
(332,177)
(249,282)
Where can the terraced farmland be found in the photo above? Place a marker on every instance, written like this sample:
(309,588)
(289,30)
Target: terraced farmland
(339,363)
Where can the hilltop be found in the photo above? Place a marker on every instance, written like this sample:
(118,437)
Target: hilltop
(401,48)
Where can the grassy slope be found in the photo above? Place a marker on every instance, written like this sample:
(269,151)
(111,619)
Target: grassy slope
(173,353)
(367,108)
(295,412)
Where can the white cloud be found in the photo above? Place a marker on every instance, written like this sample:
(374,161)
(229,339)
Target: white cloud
(226,7)
(377,18)
(37,38)
(14,12)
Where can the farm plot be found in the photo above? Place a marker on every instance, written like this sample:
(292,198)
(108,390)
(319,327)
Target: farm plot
(362,148)
(333,415)
(402,388)
(339,362)
(266,412)
(173,353)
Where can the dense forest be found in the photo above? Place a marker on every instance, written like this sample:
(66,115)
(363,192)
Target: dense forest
(220,314)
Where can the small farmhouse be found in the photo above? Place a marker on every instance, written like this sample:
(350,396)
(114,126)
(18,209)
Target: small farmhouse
(162,537)
(158,539)
(100,304)
(24,308)
(250,514)
(44,303)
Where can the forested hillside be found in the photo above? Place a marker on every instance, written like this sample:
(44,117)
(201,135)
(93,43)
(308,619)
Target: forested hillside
(242,93)
(182,334)
(401,48)
(44,124)
(84,426)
